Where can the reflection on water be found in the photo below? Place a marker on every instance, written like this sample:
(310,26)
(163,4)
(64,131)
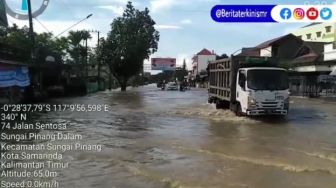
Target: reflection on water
(154,138)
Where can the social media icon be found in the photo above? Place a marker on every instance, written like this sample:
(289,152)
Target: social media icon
(286,13)
(298,13)
(326,13)
(312,13)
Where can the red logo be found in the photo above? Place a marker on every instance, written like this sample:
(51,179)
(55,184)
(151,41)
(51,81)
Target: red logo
(312,13)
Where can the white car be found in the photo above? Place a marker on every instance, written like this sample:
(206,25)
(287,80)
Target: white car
(172,86)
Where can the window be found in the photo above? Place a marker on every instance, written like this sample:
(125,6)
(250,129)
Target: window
(319,34)
(275,51)
(242,79)
(274,80)
(328,29)
(308,36)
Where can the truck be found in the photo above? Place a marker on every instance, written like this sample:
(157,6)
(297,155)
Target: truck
(249,86)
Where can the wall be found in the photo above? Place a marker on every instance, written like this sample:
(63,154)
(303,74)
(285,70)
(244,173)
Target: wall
(203,61)
(329,52)
(325,37)
(315,68)
(266,52)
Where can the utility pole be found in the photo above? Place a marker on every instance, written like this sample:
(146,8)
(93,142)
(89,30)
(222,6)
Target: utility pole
(99,65)
(31,29)
(33,50)
(86,58)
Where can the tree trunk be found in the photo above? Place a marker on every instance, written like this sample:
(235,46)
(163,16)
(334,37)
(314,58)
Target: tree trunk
(123,84)
(123,87)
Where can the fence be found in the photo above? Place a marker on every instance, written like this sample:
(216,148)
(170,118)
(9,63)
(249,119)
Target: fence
(300,86)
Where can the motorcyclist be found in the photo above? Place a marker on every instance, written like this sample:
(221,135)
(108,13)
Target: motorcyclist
(163,86)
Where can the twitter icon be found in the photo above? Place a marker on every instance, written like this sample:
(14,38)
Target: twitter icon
(326,13)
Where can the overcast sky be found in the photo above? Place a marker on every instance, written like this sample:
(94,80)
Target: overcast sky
(185,25)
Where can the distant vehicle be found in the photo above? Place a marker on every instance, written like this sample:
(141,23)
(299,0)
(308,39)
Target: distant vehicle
(249,86)
(172,86)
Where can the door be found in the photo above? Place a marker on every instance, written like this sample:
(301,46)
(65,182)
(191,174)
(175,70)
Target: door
(241,94)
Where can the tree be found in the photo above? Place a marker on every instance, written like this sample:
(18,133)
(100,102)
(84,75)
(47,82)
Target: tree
(131,40)
(181,73)
(184,66)
(76,50)
(223,56)
(45,43)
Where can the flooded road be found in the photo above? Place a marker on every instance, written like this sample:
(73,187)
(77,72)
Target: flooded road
(163,139)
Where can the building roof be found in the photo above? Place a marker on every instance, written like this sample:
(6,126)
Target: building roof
(310,52)
(317,47)
(312,24)
(205,52)
(277,41)
(308,58)
(249,52)
(333,73)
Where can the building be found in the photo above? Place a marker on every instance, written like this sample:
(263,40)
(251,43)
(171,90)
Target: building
(201,61)
(284,47)
(306,60)
(318,32)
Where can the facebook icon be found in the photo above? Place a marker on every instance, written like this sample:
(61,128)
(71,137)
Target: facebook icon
(286,13)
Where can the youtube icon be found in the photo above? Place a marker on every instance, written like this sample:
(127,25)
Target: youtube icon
(312,13)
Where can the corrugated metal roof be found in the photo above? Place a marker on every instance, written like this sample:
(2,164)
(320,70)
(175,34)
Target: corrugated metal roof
(312,24)
(276,40)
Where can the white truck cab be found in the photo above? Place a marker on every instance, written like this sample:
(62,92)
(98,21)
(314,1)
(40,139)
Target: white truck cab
(262,91)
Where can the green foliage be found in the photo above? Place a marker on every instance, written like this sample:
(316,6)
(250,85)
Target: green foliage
(47,45)
(15,36)
(76,50)
(131,40)
(223,56)
(184,66)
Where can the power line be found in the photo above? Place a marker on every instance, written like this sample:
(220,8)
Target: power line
(74,25)
(42,25)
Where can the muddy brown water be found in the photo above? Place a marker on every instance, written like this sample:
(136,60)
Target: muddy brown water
(170,139)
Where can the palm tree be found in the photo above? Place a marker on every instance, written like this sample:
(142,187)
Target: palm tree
(76,49)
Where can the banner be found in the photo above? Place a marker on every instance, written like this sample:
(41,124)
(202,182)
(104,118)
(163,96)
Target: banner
(14,76)
(164,64)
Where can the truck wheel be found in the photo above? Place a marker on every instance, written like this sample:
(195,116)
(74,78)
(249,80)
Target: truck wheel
(226,104)
(219,104)
(239,111)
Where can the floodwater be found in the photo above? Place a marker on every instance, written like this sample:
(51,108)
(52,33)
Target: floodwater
(170,139)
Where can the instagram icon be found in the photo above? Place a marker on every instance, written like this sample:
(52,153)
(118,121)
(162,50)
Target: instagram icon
(298,13)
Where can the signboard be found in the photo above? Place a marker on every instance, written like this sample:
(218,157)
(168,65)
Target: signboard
(14,76)
(163,64)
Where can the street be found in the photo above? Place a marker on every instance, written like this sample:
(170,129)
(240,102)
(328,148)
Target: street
(154,138)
